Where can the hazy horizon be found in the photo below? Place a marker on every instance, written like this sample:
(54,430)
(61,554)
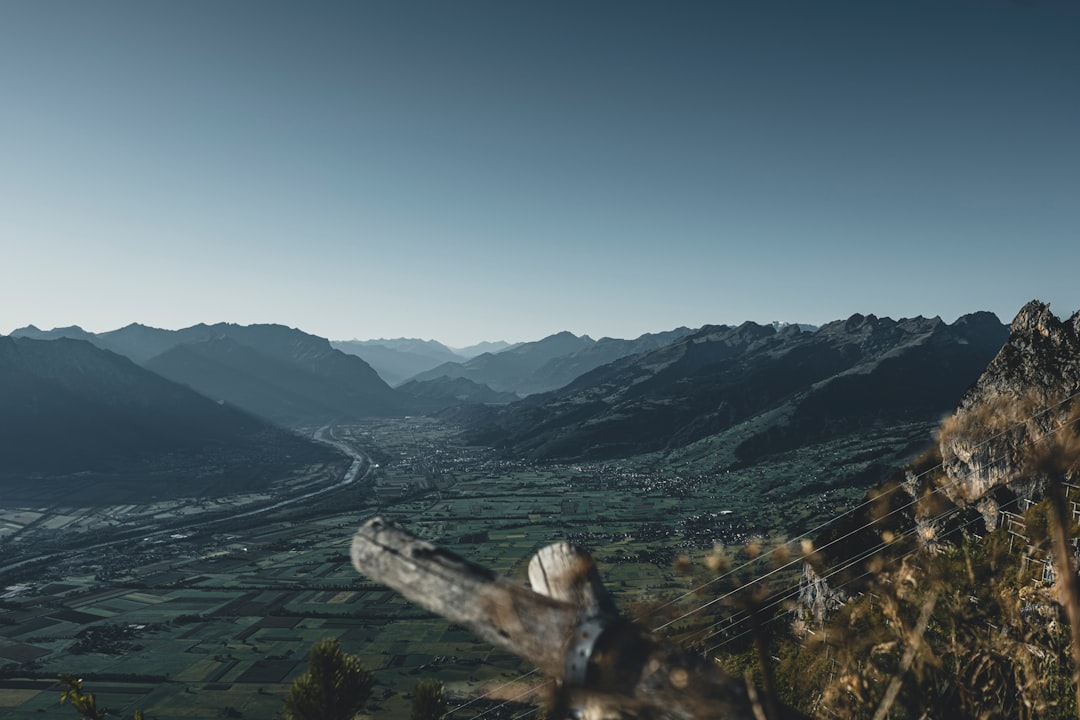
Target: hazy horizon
(488,340)
(491,171)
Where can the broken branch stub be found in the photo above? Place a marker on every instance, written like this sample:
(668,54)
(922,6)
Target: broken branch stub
(570,629)
(564,572)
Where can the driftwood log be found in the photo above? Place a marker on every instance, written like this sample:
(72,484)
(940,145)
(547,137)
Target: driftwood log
(567,626)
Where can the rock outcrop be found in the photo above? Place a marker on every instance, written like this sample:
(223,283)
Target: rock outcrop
(1013,428)
(1014,413)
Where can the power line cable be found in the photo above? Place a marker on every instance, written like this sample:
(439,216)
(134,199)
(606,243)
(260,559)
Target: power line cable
(847,582)
(848,562)
(845,565)
(491,692)
(862,556)
(825,524)
(945,513)
(504,703)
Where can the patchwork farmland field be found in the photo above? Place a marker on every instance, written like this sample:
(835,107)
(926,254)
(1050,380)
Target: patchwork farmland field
(217,618)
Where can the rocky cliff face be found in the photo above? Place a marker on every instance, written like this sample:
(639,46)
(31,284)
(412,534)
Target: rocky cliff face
(1013,414)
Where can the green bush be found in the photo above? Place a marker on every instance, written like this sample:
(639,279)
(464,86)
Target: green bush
(335,687)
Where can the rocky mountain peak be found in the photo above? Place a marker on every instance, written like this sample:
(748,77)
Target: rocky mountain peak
(919,324)
(750,330)
(788,330)
(858,325)
(1036,317)
(980,321)
(1015,402)
(1041,354)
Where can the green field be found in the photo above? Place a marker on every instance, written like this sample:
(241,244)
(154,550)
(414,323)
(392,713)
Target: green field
(190,625)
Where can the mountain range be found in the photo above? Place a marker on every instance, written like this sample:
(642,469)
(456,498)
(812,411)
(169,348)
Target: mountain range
(778,388)
(296,379)
(763,388)
(282,374)
(547,364)
(75,418)
(141,411)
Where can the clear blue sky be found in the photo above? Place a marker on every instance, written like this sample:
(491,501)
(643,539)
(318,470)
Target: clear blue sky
(504,170)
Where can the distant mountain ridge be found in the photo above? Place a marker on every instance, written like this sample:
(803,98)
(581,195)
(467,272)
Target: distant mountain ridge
(550,363)
(294,378)
(398,360)
(140,342)
(413,345)
(285,375)
(68,408)
(510,370)
(488,346)
(590,398)
(560,371)
(795,386)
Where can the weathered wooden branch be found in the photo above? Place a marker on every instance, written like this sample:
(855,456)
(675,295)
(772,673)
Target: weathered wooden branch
(501,612)
(568,627)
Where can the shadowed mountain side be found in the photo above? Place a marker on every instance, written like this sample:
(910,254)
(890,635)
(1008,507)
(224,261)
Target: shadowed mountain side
(280,391)
(396,364)
(801,386)
(444,392)
(305,363)
(67,408)
(141,343)
(917,380)
(560,371)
